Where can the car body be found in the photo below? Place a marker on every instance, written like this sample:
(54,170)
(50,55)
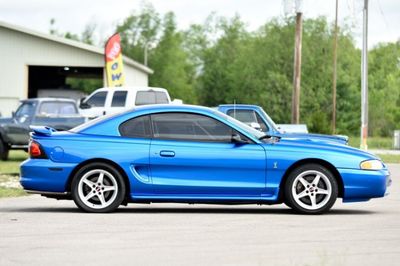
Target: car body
(59,113)
(192,154)
(113,100)
(255,115)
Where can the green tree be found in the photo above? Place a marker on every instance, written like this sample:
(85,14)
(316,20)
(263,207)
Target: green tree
(384,92)
(170,63)
(138,30)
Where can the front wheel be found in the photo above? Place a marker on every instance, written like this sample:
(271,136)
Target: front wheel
(311,189)
(4,151)
(98,187)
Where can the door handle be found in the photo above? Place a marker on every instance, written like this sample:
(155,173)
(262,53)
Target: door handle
(167,153)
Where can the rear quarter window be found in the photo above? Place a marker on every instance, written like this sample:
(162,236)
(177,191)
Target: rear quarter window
(151,97)
(138,127)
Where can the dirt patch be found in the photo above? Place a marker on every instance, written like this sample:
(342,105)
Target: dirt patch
(9,181)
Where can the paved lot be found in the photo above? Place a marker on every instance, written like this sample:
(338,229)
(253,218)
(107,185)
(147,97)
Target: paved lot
(40,231)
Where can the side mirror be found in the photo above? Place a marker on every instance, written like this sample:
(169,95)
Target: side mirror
(237,139)
(12,114)
(255,126)
(84,105)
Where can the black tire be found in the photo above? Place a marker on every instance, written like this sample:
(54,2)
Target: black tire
(4,151)
(311,198)
(91,173)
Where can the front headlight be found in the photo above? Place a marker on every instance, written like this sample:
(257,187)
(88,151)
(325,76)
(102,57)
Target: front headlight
(371,165)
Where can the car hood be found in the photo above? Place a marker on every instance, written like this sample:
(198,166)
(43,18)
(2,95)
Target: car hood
(316,137)
(318,148)
(6,120)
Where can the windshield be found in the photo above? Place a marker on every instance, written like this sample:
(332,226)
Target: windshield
(270,122)
(26,109)
(254,132)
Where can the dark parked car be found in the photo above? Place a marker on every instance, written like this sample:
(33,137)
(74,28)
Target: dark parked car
(61,114)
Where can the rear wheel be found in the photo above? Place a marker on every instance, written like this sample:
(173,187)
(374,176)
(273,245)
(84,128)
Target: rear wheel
(311,189)
(4,150)
(98,187)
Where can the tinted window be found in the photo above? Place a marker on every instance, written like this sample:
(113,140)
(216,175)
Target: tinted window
(151,97)
(145,97)
(57,109)
(98,99)
(138,127)
(161,97)
(119,99)
(184,126)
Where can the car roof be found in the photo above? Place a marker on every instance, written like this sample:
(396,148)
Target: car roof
(239,105)
(48,99)
(169,107)
(131,88)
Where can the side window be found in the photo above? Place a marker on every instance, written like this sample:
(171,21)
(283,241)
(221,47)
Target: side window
(161,97)
(138,127)
(190,127)
(244,116)
(97,99)
(248,117)
(119,99)
(26,109)
(145,97)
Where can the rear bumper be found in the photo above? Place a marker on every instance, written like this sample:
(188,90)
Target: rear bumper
(361,185)
(45,176)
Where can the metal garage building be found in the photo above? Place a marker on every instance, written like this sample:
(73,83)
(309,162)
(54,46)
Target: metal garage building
(33,62)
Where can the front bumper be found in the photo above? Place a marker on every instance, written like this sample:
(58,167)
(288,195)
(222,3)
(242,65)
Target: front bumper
(361,185)
(44,175)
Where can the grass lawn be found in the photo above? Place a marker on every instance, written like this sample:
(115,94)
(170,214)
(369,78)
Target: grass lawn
(374,143)
(11,192)
(12,165)
(9,174)
(389,158)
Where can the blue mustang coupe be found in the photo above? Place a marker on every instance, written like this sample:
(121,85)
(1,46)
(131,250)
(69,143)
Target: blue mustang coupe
(192,154)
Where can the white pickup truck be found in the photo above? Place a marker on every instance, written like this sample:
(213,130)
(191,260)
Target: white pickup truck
(113,100)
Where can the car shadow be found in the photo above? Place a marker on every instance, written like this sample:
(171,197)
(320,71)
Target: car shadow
(233,210)
(185,210)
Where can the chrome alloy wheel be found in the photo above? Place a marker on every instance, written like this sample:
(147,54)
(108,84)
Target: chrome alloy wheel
(311,190)
(98,189)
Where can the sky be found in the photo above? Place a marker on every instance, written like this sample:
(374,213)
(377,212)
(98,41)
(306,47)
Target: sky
(74,15)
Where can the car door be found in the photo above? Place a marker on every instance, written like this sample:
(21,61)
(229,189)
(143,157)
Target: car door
(118,102)
(192,155)
(95,105)
(18,131)
(135,151)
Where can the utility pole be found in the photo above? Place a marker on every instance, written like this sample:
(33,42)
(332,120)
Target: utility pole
(146,48)
(364,80)
(334,77)
(297,65)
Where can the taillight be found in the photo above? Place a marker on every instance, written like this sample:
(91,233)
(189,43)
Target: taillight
(36,151)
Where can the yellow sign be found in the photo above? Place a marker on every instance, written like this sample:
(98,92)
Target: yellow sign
(114,67)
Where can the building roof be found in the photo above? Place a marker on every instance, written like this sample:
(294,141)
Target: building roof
(76,44)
